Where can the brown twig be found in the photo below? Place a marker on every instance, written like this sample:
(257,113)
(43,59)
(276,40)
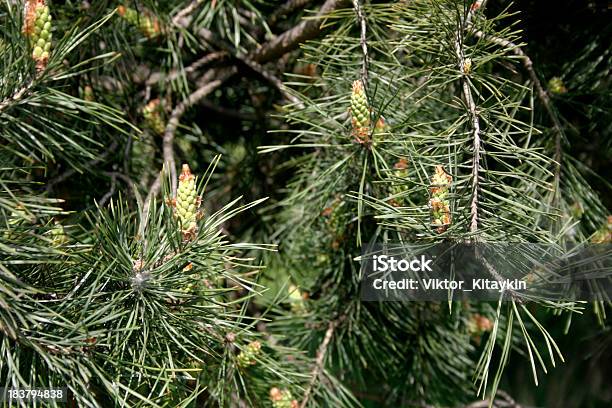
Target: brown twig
(277,47)
(320,358)
(290,39)
(474,116)
(16,95)
(287,8)
(285,42)
(213,78)
(110,193)
(508,399)
(126,179)
(210,37)
(199,63)
(179,18)
(362,41)
(272,79)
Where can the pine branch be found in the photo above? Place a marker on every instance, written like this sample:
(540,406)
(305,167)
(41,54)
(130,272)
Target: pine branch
(540,92)
(179,19)
(156,77)
(287,8)
(320,358)
(16,96)
(252,64)
(291,39)
(362,41)
(109,193)
(213,79)
(469,99)
(273,80)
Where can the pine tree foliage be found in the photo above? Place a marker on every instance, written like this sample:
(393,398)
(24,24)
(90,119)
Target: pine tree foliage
(117,303)
(443,77)
(141,264)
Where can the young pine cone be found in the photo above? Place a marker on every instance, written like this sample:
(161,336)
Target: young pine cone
(282,399)
(400,176)
(360,112)
(440,207)
(37,27)
(247,357)
(152,113)
(556,86)
(381,129)
(147,24)
(187,203)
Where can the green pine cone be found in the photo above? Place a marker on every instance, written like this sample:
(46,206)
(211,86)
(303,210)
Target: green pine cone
(37,26)
(187,200)
(400,175)
(129,14)
(147,24)
(556,86)
(248,355)
(152,116)
(440,181)
(381,131)
(381,127)
(440,206)
(360,110)
(282,399)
